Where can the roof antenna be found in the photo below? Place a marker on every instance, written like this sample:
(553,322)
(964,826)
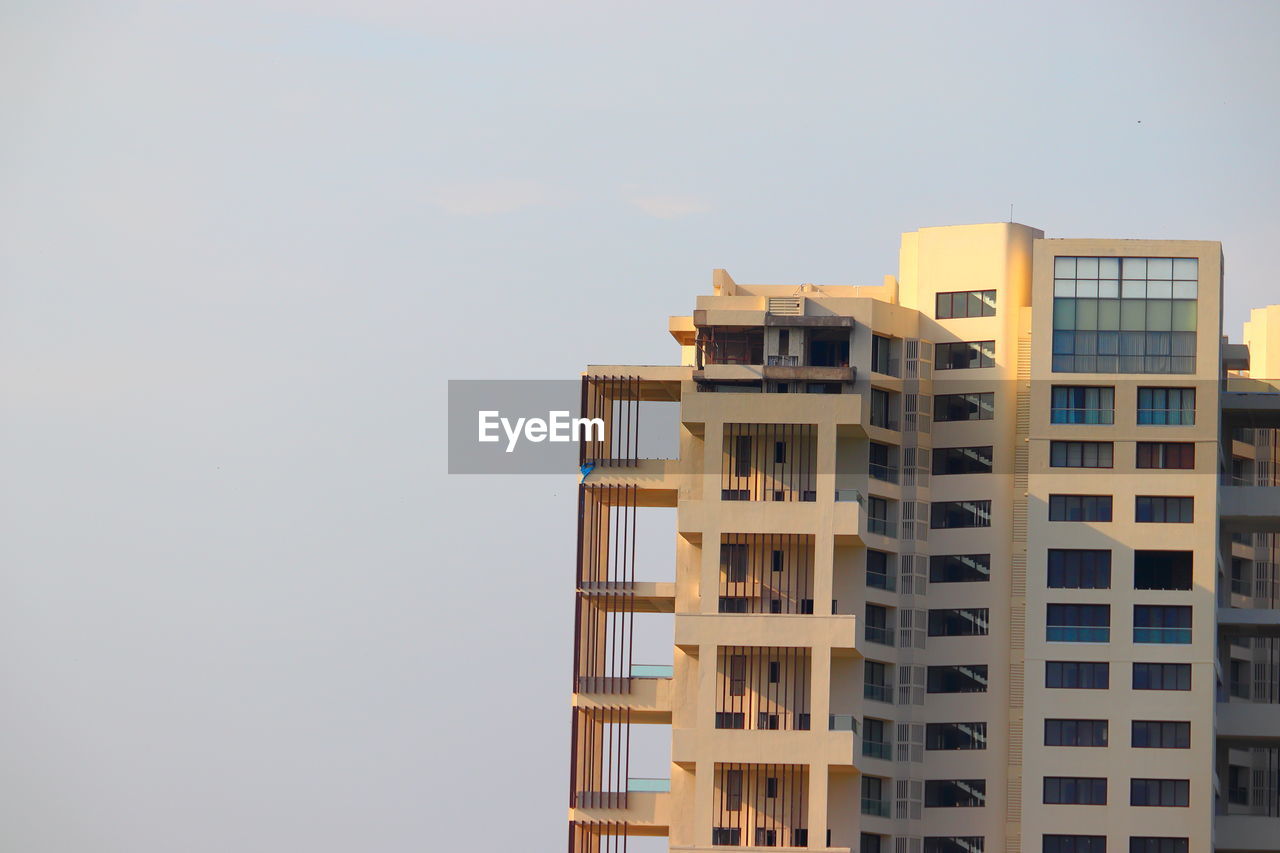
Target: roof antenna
(1011,211)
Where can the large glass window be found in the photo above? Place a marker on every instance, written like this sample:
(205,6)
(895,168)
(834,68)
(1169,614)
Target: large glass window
(964,407)
(1058,732)
(958,678)
(966,303)
(1124,315)
(1159,792)
(946,736)
(952,514)
(962,460)
(963,355)
(1083,404)
(1161,623)
(1079,507)
(1077,674)
(1078,623)
(1156,509)
(1071,568)
(955,793)
(1167,406)
(1075,790)
(1079,454)
(1162,676)
(959,568)
(1074,844)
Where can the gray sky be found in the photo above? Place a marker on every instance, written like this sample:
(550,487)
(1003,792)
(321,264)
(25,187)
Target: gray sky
(243,244)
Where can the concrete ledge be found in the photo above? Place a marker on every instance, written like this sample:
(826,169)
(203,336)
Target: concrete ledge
(1248,721)
(765,629)
(1243,620)
(1250,507)
(643,809)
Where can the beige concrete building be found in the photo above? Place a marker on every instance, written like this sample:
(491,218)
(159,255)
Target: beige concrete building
(983,558)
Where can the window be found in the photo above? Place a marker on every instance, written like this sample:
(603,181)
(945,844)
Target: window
(955,793)
(1075,790)
(732,790)
(1167,406)
(960,568)
(880,462)
(962,460)
(954,844)
(777,559)
(884,409)
(875,681)
(1075,732)
(952,514)
(1074,844)
(1078,623)
(878,520)
(1148,844)
(1124,315)
(733,604)
(1167,454)
(1079,507)
(1162,676)
(1238,784)
(726,836)
(882,356)
(868,843)
(947,736)
(963,355)
(737,675)
(733,562)
(742,456)
(1071,568)
(875,739)
(964,407)
(969,622)
(965,303)
(1159,792)
(784,342)
(1161,623)
(874,790)
(958,679)
(1080,454)
(1079,675)
(877,625)
(1156,509)
(779,452)
(1161,734)
(878,575)
(1082,404)
(1162,569)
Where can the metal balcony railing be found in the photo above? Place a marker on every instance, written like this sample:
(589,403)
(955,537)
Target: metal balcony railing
(1082,416)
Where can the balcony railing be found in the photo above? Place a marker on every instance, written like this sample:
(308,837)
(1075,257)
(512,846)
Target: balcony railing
(648,786)
(1166,417)
(882,526)
(848,496)
(652,670)
(878,634)
(877,749)
(875,808)
(878,692)
(1077,634)
(783,361)
(842,723)
(886,473)
(1082,416)
(880,580)
(1162,635)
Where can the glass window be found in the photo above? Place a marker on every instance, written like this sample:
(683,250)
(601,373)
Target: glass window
(1080,454)
(1166,454)
(1078,623)
(962,460)
(1162,676)
(1167,406)
(959,678)
(1161,734)
(1161,623)
(1149,844)
(954,514)
(1071,568)
(1074,844)
(970,303)
(959,568)
(964,407)
(1082,404)
(963,622)
(1075,732)
(1162,570)
(1077,675)
(1159,792)
(1157,509)
(955,793)
(954,844)
(949,736)
(1075,790)
(1079,507)
(1152,304)
(963,355)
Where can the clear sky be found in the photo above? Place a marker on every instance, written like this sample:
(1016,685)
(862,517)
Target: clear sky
(244,244)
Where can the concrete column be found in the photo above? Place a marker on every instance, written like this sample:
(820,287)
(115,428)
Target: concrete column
(824,542)
(818,805)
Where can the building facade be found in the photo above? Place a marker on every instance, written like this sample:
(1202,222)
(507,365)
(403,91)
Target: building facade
(983,558)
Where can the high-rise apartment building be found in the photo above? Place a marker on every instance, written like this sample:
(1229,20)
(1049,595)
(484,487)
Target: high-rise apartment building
(983,558)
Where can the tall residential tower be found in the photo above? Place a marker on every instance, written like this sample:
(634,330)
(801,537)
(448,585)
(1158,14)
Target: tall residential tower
(979,559)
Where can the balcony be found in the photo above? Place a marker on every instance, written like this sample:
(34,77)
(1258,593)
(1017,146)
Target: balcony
(1248,721)
(842,723)
(1254,508)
